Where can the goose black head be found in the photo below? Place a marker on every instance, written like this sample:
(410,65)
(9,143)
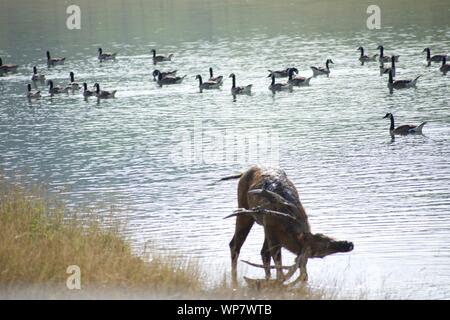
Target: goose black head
(330,61)
(156,73)
(426,50)
(380,47)
(153,52)
(360,49)
(388,115)
(50,83)
(232,75)
(100,50)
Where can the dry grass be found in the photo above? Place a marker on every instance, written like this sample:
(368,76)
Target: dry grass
(38,242)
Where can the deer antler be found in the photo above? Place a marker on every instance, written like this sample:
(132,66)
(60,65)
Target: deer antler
(259,210)
(275,198)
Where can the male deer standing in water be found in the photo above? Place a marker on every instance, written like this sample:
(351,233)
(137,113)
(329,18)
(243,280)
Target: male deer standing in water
(267,196)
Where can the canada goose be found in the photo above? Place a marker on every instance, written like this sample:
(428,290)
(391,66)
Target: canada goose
(444,67)
(384,70)
(102,94)
(279,74)
(164,74)
(297,81)
(56,90)
(54,61)
(36,76)
(86,92)
(218,79)
(279,86)
(383,58)
(103,56)
(364,58)
(167,79)
(239,90)
(207,85)
(160,58)
(401,84)
(405,129)
(33,94)
(72,84)
(319,70)
(6,68)
(435,58)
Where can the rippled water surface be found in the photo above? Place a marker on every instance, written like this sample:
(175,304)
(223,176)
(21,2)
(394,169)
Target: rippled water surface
(156,154)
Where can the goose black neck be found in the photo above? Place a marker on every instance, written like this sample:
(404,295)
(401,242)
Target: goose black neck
(97,88)
(381,51)
(50,83)
(48,55)
(391,80)
(210,72)
(444,60)
(34,70)
(362,51)
(392,122)
(100,51)
(72,78)
(273,80)
(154,53)
(326,64)
(233,77)
(393,63)
(291,71)
(428,53)
(1,62)
(200,80)
(29,87)
(85,86)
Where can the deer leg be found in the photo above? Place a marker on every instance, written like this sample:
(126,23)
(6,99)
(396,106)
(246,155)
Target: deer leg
(243,226)
(265,255)
(303,261)
(275,252)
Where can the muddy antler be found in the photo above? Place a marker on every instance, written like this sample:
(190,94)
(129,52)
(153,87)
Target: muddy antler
(288,275)
(275,198)
(259,210)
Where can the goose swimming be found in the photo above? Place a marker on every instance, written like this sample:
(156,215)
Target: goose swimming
(160,58)
(405,129)
(279,86)
(54,61)
(239,90)
(401,84)
(102,94)
(104,56)
(383,58)
(33,94)
(168,79)
(36,76)
(435,58)
(317,71)
(364,58)
(7,68)
(218,79)
(297,81)
(206,85)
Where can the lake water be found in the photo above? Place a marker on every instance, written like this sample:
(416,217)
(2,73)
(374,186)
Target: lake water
(155,154)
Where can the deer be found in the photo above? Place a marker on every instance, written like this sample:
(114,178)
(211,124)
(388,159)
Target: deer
(266,196)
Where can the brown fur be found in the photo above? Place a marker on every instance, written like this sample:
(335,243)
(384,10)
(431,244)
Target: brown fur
(270,189)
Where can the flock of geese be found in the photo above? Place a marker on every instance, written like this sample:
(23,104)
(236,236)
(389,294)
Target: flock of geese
(170,77)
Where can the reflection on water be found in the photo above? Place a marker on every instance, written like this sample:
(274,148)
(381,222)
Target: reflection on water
(156,153)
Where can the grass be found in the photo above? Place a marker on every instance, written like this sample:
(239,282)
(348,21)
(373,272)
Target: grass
(39,240)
